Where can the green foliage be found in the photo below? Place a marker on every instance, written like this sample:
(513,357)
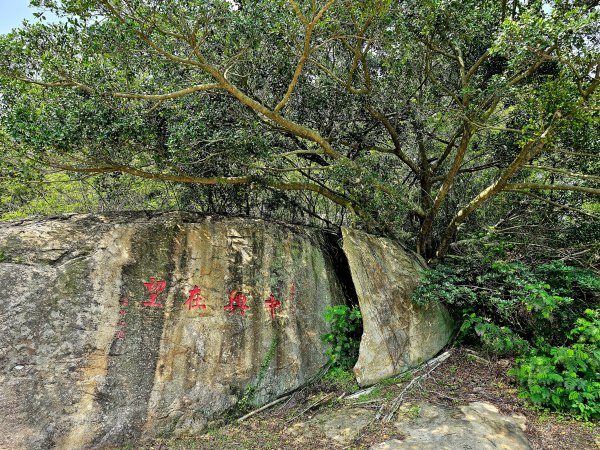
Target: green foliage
(538,313)
(344,338)
(341,379)
(505,305)
(566,378)
(587,328)
(499,340)
(565,279)
(356,125)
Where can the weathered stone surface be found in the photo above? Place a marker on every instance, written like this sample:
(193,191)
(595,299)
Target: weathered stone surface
(343,425)
(478,426)
(66,378)
(339,426)
(397,333)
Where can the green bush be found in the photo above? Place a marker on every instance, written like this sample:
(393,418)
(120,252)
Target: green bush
(566,378)
(346,330)
(543,314)
(503,303)
(501,341)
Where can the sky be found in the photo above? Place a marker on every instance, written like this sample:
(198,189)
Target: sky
(12,13)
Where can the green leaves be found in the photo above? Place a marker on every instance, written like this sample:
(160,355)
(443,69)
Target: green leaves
(502,303)
(429,68)
(510,308)
(346,330)
(566,378)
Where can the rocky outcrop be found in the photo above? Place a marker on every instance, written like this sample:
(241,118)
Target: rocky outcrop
(478,425)
(418,426)
(397,333)
(119,326)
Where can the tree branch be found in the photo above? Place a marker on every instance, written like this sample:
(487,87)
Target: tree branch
(564,172)
(305,52)
(550,202)
(552,187)
(395,139)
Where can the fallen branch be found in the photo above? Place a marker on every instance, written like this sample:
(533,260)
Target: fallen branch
(311,406)
(377,400)
(430,366)
(476,357)
(357,395)
(262,408)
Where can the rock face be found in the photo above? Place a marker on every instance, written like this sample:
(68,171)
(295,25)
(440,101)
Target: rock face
(397,333)
(475,426)
(339,425)
(103,336)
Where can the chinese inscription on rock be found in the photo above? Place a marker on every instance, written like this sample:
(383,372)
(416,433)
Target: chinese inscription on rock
(195,299)
(155,288)
(237,301)
(272,304)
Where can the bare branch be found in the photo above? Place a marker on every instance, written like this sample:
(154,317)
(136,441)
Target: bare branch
(553,187)
(470,170)
(449,146)
(555,204)
(529,151)
(109,168)
(130,95)
(476,65)
(171,95)
(565,172)
(305,52)
(574,153)
(395,139)
(298,12)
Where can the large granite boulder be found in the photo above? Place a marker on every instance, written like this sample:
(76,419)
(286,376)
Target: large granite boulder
(398,334)
(114,327)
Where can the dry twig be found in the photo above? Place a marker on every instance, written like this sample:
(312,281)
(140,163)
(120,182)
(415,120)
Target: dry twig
(431,366)
(262,408)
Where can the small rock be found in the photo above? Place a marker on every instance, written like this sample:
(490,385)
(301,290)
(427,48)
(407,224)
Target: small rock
(340,425)
(343,425)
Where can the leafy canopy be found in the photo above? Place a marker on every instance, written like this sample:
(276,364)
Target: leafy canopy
(404,118)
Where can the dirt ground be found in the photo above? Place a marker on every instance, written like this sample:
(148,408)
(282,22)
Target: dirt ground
(464,377)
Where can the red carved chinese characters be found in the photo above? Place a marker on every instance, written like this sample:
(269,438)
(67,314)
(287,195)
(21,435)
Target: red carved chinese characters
(272,304)
(237,300)
(155,288)
(195,299)
(122,312)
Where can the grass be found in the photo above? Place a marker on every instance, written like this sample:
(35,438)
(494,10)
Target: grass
(340,379)
(375,393)
(413,412)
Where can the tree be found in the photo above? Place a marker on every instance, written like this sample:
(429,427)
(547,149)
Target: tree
(413,116)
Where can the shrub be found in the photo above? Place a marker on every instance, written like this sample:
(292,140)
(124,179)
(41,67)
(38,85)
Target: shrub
(540,313)
(501,341)
(531,302)
(566,378)
(346,330)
